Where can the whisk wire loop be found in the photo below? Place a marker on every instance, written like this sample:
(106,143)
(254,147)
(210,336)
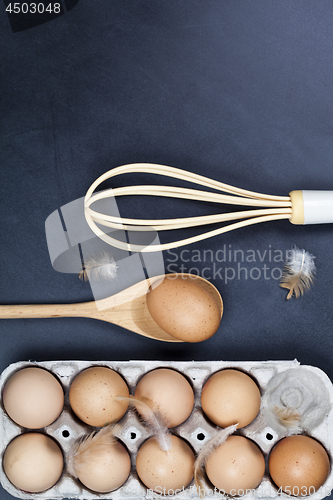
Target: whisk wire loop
(270,207)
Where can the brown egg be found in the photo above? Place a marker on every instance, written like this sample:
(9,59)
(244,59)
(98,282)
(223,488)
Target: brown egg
(183,309)
(165,471)
(167,391)
(299,465)
(230,397)
(33,397)
(107,470)
(33,462)
(235,466)
(92,396)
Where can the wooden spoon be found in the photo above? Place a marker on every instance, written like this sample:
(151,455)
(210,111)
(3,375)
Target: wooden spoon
(127,309)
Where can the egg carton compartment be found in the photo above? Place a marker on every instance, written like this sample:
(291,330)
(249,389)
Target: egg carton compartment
(196,430)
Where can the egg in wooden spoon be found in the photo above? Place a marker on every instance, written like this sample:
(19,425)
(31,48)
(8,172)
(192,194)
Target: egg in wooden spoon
(183,308)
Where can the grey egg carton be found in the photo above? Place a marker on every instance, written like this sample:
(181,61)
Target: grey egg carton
(197,429)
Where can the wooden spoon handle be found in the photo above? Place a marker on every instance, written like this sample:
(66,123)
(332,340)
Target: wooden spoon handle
(44,311)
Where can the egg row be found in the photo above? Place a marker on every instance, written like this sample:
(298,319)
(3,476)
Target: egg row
(197,432)
(34,462)
(34,398)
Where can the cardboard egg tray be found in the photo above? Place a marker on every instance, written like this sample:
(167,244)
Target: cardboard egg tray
(197,430)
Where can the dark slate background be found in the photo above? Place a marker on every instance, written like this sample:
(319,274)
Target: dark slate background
(239,91)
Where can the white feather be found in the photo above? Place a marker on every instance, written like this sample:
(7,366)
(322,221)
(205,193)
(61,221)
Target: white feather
(99,267)
(301,261)
(298,272)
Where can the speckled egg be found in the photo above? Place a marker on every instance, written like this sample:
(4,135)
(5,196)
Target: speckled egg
(183,309)
(230,397)
(299,465)
(107,469)
(161,470)
(93,393)
(236,465)
(168,392)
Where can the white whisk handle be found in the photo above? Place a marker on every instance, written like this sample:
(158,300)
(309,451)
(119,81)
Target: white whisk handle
(311,207)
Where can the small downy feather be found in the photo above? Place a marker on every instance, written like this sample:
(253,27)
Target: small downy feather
(298,272)
(206,451)
(288,417)
(86,451)
(99,267)
(154,419)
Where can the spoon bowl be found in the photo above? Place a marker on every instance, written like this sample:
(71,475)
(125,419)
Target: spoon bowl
(127,308)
